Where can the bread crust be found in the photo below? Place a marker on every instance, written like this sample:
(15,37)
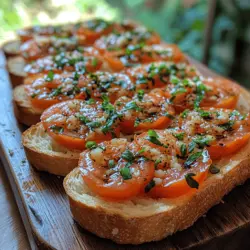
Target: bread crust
(15,66)
(47,160)
(11,48)
(24,111)
(94,215)
(137,230)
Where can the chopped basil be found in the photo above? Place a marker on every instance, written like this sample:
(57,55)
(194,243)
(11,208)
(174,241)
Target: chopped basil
(90,101)
(56,91)
(179,136)
(184,113)
(192,158)
(204,114)
(50,76)
(111,163)
(235,113)
(94,124)
(133,106)
(201,89)
(149,186)
(152,133)
(57,129)
(213,169)
(137,122)
(83,119)
(125,173)
(191,146)
(183,149)
(94,62)
(191,181)
(228,126)
(141,151)
(90,144)
(203,141)
(157,162)
(153,137)
(128,156)
(140,94)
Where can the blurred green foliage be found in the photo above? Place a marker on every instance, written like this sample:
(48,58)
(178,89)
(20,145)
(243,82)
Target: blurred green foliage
(178,21)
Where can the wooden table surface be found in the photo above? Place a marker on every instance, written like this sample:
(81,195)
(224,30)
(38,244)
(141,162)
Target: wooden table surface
(13,235)
(12,232)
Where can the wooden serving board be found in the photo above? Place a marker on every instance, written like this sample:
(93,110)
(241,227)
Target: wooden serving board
(45,210)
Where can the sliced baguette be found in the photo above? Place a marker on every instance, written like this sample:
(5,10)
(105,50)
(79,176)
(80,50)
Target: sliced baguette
(143,219)
(46,155)
(11,48)
(24,111)
(15,66)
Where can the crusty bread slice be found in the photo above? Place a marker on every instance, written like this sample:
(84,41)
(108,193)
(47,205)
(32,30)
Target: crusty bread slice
(143,219)
(15,66)
(45,154)
(24,111)
(11,48)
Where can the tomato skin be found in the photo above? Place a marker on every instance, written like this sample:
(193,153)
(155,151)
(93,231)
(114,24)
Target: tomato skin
(91,36)
(116,188)
(127,126)
(65,138)
(173,183)
(220,150)
(179,188)
(142,56)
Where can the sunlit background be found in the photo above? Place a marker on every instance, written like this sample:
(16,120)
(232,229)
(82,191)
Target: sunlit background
(184,22)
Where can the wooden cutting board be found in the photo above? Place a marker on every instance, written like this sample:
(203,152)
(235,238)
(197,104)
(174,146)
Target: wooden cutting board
(46,215)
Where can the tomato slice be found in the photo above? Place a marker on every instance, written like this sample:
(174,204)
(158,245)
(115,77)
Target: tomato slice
(222,131)
(118,40)
(158,74)
(113,182)
(173,171)
(27,34)
(227,93)
(140,113)
(73,123)
(88,61)
(54,88)
(141,54)
(199,92)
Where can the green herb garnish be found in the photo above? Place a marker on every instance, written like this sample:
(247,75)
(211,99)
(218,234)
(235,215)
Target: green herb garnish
(140,94)
(179,136)
(149,186)
(213,169)
(128,156)
(191,181)
(125,173)
(90,144)
(192,158)
(57,129)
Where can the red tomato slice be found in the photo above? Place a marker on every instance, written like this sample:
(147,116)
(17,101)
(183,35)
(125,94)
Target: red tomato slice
(73,123)
(170,178)
(109,182)
(230,129)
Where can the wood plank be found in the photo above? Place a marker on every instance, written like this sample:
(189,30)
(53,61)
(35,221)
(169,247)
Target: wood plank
(46,214)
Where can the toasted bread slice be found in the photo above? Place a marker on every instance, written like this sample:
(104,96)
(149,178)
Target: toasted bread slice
(143,219)
(45,154)
(11,48)
(24,111)
(15,66)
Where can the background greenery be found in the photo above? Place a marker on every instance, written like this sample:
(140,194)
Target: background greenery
(179,21)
